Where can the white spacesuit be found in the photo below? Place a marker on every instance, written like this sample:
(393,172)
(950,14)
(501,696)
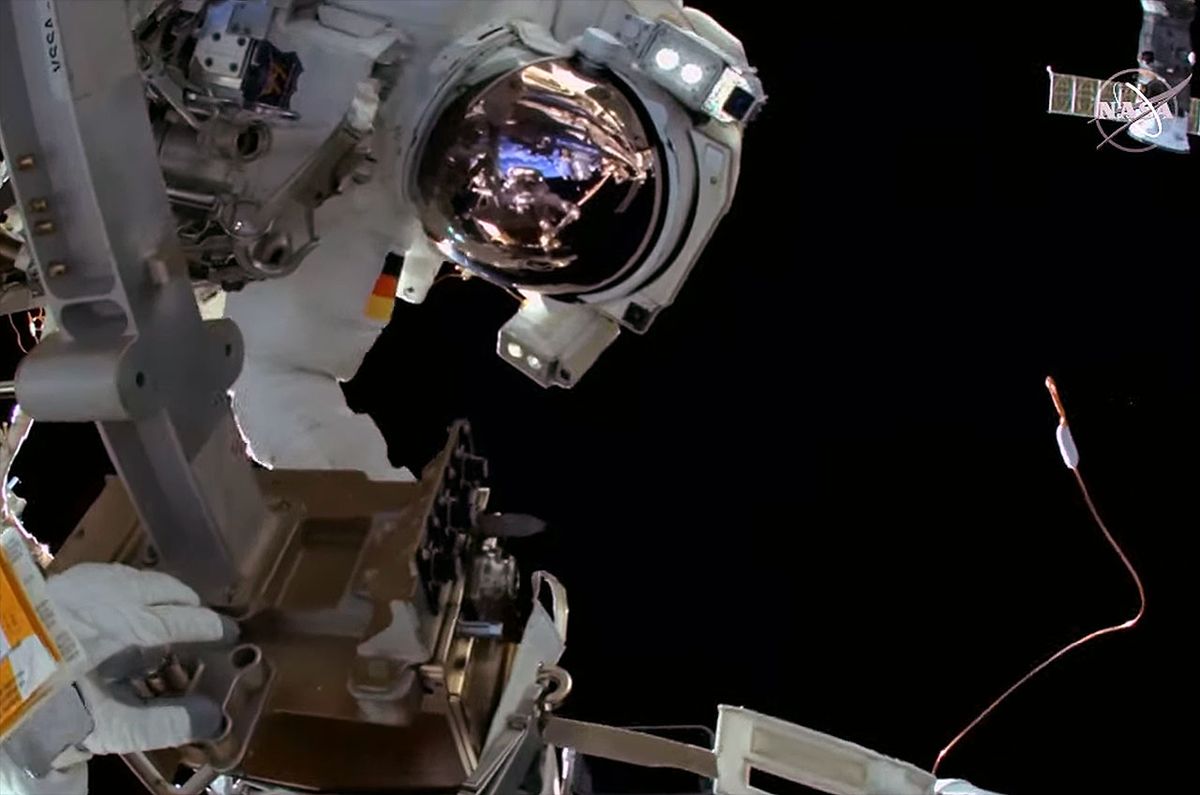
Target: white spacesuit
(306,332)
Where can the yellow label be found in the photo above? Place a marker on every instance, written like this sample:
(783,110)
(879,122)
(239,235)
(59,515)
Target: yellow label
(36,651)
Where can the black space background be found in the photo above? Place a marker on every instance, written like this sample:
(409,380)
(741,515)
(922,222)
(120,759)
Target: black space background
(825,485)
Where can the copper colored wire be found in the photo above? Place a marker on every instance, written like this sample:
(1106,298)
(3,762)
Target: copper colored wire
(1137,581)
(17,331)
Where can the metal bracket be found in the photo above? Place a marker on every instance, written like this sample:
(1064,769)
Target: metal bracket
(240,681)
(132,353)
(748,740)
(624,745)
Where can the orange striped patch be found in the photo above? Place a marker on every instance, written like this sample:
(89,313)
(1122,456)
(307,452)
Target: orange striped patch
(383,298)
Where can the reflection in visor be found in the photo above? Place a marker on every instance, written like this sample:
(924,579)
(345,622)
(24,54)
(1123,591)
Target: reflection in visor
(546,175)
(570,159)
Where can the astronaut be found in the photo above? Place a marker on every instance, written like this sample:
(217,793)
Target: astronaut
(577,153)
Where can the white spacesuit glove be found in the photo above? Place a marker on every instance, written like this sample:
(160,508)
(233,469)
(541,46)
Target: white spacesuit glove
(113,610)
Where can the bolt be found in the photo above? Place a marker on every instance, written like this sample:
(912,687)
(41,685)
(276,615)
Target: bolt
(25,162)
(176,675)
(43,227)
(38,205)
(56,269)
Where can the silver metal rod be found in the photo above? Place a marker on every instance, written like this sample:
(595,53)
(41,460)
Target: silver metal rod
(8,389)
(192,198)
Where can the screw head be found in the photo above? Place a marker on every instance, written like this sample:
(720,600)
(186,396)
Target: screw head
(56,269)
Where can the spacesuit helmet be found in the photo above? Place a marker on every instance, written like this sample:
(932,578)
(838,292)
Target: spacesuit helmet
(586,175)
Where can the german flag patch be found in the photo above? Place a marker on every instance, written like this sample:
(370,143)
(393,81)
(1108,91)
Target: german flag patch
(383,297)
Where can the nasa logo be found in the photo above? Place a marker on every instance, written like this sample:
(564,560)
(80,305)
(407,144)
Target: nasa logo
(1133,108)
(1127,111)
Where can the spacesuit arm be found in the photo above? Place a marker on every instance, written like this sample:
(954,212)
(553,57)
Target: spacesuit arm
(304,334)
(296,419)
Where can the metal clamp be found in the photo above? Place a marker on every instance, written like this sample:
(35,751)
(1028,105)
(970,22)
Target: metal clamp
(556,683)
(240,681)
